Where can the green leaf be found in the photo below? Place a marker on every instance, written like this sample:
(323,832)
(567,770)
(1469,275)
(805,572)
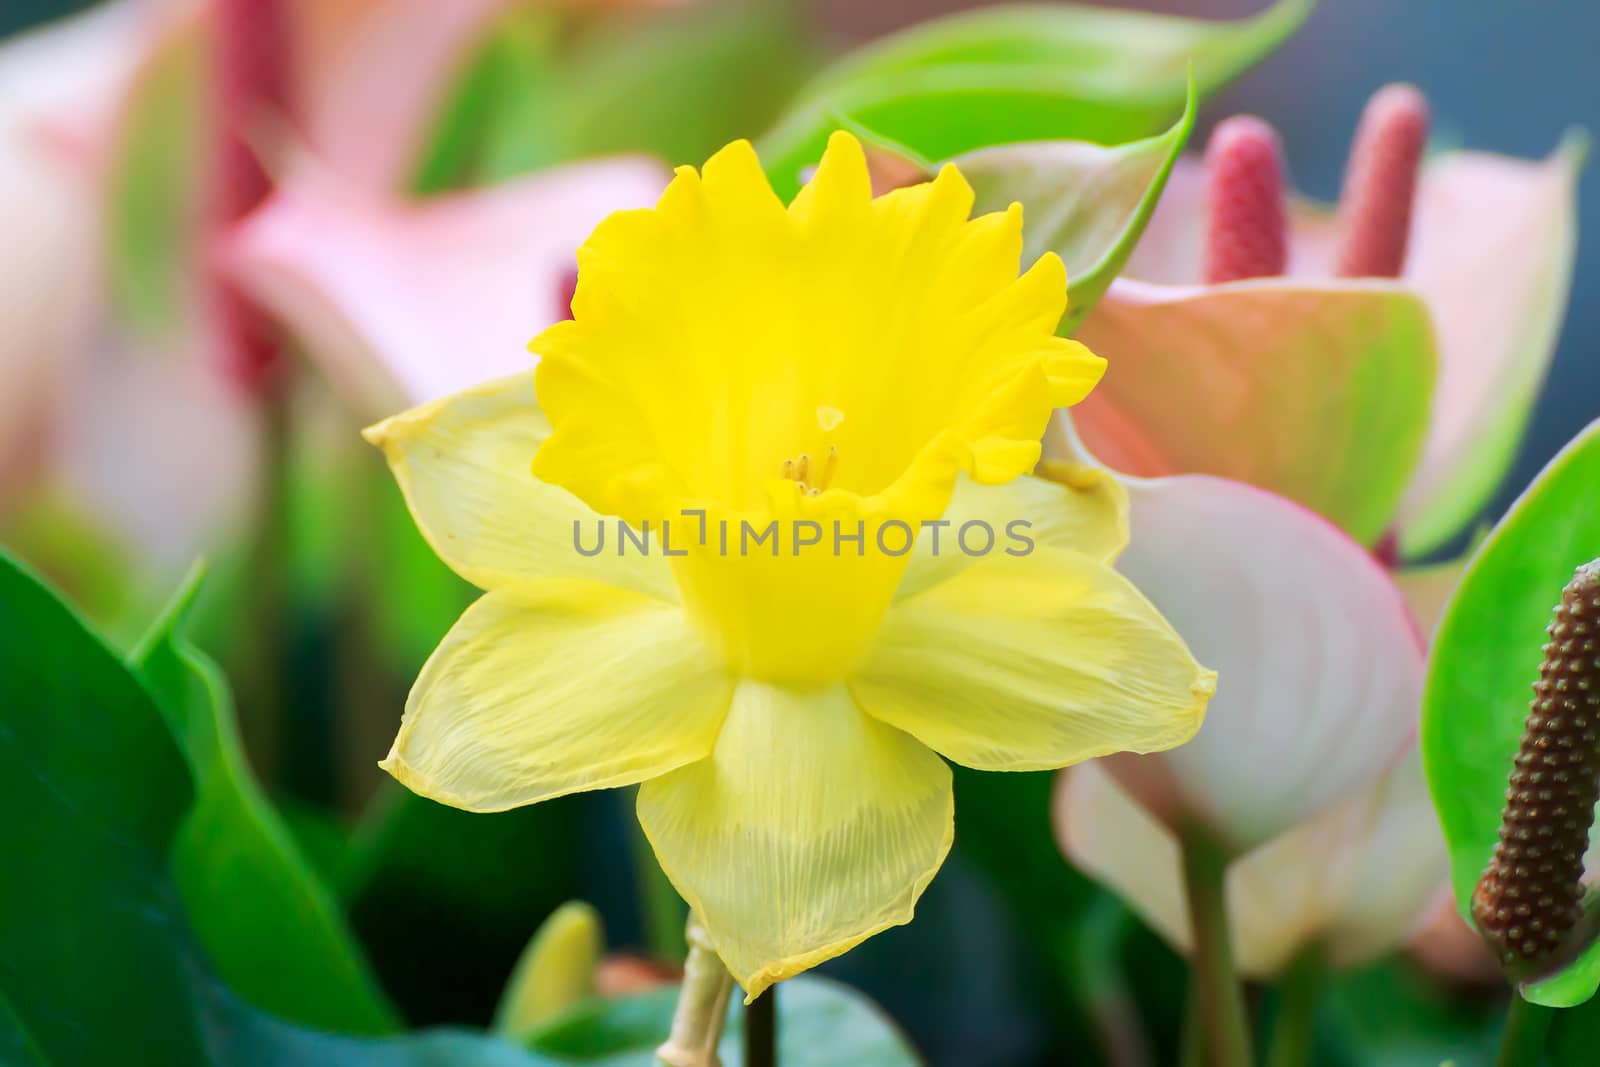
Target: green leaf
(505,87)
(1484,662)
(92,790)
(821,1023)
(681,84)
(273,929)
(97,963)
(1025,73)
(676,83)
(1085,203)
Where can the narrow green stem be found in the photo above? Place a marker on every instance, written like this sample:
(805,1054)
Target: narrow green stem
(702,1009)
(761,1030)
(1522,1043)
(662,911)
(1220,994)
(1193,1052)
(1299,995)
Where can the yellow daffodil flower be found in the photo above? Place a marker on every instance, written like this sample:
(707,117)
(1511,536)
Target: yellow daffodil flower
(871,373)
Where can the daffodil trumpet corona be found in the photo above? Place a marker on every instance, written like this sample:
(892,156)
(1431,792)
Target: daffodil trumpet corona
(848,378)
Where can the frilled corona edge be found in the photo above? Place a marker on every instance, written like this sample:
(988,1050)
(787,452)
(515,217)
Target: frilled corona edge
(1531,896)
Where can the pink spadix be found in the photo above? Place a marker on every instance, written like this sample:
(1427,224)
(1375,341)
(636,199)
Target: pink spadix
(1380,185)
(1247,235)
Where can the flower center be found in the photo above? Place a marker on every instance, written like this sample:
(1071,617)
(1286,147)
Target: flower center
(813,477)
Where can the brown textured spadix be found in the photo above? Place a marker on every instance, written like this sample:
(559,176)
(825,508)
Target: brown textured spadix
(1531,895)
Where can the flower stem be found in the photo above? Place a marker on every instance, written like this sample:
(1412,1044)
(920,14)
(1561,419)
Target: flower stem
(1192,1053)
(1300,993)
(1220,995)
(761,1030)
(1522,1043)
(702,1004)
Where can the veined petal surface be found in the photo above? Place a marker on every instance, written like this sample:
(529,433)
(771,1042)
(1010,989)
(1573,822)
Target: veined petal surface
(553,687)
(1032,662)
(811,827)
(464,462)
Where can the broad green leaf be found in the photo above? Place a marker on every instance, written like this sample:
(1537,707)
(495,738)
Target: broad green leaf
(1024,73)
(675,83)
(154,194)
(1085,203)
(272,928)
(97,962)
(1485,659)
(681,84)
(92,790)
(1390,1014)
(821,1023)
(556,970)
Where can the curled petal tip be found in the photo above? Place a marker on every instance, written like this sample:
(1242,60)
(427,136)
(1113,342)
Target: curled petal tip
(1247,232)
(1380,184)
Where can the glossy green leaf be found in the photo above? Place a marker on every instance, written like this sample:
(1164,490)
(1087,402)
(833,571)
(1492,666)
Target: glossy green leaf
(556,971)
(92,789)
(272,928)
(97,962)
(1024,73)
(1485,659)
(821,1023)
(1085,203)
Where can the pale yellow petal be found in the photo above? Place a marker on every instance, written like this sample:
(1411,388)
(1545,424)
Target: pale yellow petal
(558,686)
(811,828)
(463,463)
(1031,662)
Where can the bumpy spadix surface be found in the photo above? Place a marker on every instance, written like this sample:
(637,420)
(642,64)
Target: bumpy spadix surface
(840,359)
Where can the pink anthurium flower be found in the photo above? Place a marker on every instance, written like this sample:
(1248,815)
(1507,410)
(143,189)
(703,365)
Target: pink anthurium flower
(46,277)
(1306,769)
(112,109)
(406,301)
(1277,341)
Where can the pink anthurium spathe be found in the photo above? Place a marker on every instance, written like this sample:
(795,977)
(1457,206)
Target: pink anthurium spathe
(402,301)
(1305,771)
(1484,242)
(47,221)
